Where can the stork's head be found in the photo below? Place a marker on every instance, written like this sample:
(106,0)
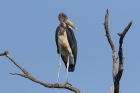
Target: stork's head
(64,19)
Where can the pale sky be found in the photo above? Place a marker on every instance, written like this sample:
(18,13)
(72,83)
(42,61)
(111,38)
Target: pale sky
(27,31)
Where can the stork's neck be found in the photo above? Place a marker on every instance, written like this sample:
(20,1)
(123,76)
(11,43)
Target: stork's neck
(63,28)
(63,24)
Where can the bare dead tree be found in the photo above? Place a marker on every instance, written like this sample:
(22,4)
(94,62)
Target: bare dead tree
(29,76)
(116,75)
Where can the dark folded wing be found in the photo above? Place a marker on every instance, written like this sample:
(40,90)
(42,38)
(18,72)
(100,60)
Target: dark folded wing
(72,42)
(56,38)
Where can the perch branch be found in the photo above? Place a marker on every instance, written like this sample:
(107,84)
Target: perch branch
(29,76)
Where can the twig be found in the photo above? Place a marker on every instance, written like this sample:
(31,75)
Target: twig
(29,76)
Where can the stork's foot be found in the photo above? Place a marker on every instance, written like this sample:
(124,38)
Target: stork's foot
(56,84)
(66,83)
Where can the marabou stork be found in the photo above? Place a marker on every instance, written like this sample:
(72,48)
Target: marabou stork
(66,44)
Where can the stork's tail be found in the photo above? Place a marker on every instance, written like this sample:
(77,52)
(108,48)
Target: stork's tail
(71,68)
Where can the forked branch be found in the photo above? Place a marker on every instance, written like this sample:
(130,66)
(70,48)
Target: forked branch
(116,75)
(29,76)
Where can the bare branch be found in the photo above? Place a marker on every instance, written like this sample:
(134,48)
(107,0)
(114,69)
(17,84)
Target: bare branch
(8,56)
(29,76)
(3,54)
(125,30)
(114,71)
(120,52)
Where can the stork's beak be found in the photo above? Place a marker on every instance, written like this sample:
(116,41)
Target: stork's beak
(67,21)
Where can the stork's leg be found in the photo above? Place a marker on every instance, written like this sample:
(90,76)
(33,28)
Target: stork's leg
(59,65)
(67,70)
